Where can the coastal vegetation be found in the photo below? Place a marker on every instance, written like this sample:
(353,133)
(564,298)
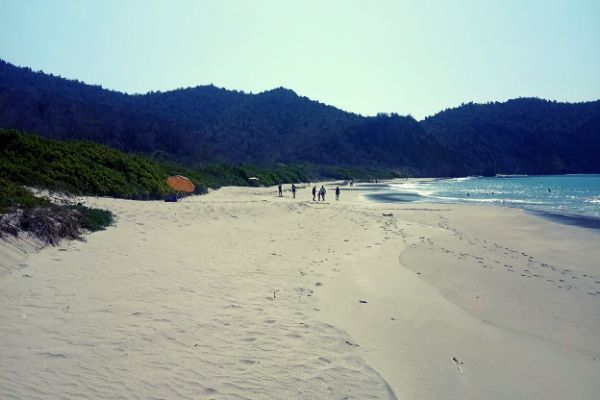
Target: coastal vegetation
(21,210)
(85,168)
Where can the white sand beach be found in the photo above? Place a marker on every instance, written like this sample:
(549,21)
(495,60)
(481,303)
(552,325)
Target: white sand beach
(240,294)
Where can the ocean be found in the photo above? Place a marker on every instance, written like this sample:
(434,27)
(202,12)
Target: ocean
(571,199)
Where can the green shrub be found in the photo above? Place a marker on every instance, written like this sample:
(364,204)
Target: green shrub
(94,219)
(13,196)
(79,167)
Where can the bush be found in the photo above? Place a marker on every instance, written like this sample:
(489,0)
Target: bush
(52,223)
(94,219)
(82,168)
(12,195)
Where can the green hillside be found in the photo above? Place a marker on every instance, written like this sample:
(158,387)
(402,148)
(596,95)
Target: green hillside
(86,168)
(77,167)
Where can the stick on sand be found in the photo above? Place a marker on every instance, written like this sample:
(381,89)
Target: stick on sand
(457,364)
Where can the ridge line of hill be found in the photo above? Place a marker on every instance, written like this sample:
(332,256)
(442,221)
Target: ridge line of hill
(209,124)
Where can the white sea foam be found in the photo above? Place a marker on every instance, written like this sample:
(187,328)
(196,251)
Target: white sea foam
(462,179)
(578,194)
(488,200)
(413,188)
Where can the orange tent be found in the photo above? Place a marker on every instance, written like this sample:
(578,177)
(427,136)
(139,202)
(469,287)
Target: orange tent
(180,183)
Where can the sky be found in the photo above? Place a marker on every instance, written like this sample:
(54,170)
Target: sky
(408,57)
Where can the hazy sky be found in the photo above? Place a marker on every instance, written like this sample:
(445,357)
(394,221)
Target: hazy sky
(410,57)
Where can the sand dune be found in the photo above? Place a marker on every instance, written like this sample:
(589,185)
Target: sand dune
(242,295)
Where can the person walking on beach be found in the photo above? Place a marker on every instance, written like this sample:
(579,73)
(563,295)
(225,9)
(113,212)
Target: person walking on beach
(280,190)
(314,192)
(322,192)
(337,193)
(293,191)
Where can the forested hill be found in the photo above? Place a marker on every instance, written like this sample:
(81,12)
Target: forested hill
(207,123)
(522,136)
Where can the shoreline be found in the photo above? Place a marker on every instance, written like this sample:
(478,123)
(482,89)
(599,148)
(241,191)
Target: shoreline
(583,221)
(240,293)
(484,296)
(393,197)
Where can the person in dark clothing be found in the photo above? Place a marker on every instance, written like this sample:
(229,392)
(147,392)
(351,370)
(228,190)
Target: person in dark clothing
(322,192)
(337,193)
(280,190)
(314,192)
(293,191)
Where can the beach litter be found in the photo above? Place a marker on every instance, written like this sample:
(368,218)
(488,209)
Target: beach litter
(458,363)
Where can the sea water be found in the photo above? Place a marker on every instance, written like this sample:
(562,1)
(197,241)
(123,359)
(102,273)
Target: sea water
(569,198)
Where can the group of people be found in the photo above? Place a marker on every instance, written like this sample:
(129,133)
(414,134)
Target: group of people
(320,193)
